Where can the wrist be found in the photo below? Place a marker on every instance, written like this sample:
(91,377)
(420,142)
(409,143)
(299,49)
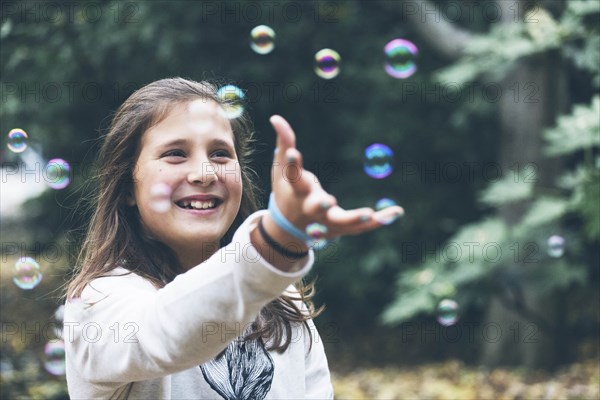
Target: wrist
(281,236)
(270,254)
(284,224)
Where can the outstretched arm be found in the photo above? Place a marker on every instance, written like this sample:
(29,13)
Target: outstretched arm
(302,201)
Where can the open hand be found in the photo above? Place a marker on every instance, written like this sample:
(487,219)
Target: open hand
(302,199)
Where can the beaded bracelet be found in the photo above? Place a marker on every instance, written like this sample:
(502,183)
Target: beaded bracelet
(286,225)
(276,246)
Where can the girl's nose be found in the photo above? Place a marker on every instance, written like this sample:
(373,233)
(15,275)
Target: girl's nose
(204,173)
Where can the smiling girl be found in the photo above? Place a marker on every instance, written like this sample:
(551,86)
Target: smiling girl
(197,299)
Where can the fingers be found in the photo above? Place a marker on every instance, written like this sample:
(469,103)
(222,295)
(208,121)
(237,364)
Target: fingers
(292,172)
(285,135)
(318,203)
(352,222)
(345,218)
(388,215)
(288,160)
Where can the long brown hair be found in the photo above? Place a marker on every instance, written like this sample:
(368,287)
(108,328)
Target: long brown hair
(115,237)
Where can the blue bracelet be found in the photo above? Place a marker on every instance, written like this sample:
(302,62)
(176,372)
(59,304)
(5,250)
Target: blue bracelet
(286,225)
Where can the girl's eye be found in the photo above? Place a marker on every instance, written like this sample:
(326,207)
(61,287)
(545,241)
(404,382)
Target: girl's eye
(221,154)
(174,153)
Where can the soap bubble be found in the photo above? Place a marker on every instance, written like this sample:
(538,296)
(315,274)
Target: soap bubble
(447,312)
(262,39)
(384,203)
(317,233)
(17,140)
(232,98)
(556,246)
(378,161)
(54,357)
(58,173)
(400,58)
(26,273)
(160,197)
(386,219)
(327,63)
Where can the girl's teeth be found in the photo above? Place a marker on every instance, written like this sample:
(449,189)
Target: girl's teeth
(197,204)
(201,205)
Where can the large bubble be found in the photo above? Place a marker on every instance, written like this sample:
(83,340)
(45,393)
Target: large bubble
(54,357)
(58,173)
(317,233)
(232,99)
(327,63)
(556,246)
(378,161)
(386,219)
(17,140)
(26,273)
(384,203)
(447,312)
(400,57)
(262,39)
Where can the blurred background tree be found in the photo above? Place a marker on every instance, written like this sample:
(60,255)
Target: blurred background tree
(549,188)
(495,140)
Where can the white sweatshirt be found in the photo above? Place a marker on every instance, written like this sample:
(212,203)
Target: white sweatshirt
(125,339)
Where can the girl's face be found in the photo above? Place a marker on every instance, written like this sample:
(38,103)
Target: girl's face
(190,158)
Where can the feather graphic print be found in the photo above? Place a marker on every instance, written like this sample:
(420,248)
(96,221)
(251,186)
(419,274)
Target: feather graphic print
(244,371)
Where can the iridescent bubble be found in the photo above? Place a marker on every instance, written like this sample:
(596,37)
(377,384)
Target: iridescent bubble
(58,173)
(384,203)
(160,197)
(26,273)
(387,218)
(54,357)
(232,99)
(400,58)
(17,140)
(262,39)
(327,63)
(317,233)
(556,246)
(447,312)
(378,161)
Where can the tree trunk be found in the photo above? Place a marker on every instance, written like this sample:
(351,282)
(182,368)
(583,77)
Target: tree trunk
(530,339)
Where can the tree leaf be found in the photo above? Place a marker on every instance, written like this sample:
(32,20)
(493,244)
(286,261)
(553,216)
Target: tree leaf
(576,131)
(544,210)
(509,189)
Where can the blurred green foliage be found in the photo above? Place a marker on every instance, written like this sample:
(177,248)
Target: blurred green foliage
(569,207)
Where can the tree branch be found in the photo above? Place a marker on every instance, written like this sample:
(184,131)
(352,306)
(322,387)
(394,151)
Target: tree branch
(446,37)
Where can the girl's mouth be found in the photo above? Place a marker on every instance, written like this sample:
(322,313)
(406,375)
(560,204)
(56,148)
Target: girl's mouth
(198,204)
